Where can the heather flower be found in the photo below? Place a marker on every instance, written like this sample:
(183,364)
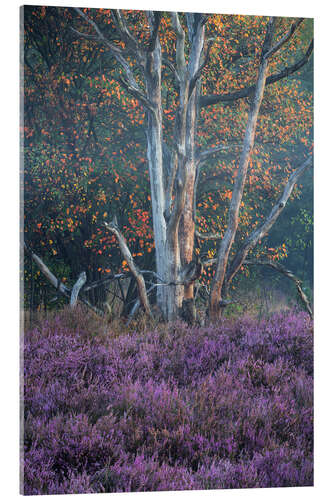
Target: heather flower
(220,406)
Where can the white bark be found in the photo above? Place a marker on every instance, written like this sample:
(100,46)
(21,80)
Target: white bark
(112,227)
(63,289)
(76,289)
(263,229)
(233,216)
(173,176)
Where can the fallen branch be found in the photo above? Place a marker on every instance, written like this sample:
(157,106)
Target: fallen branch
(96,284)
(113,228)
(58,284)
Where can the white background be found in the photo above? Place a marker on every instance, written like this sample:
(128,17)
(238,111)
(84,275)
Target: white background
(9,237)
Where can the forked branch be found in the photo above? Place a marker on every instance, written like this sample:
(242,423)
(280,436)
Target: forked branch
(128,79)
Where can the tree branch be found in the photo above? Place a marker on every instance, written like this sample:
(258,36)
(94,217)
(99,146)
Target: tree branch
(99,35)
(58,284)
(197,75)
(169,64)
(87,36)
(129,82)
(101,282)
(208,100)
(261,231)
(113,228)
(155,22)
(281,269)
(208,236)
(180,45)
(123,30)
(63,289)
(237,194)
(137,305)
(204,155)
(284,39)
(137,93)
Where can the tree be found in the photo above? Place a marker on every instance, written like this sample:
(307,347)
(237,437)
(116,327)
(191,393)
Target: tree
(170,64)
(72,178)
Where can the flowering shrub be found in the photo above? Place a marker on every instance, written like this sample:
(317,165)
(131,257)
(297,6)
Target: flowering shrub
(221,406)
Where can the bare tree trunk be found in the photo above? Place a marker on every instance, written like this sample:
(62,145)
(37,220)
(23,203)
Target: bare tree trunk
(172,180)
(166,245)
(233,216)
(173,174)
(187,230)
(185,133)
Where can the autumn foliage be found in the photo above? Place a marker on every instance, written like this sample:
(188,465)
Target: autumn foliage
(84,138)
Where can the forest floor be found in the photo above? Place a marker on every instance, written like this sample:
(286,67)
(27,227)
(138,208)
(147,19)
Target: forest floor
(169,408)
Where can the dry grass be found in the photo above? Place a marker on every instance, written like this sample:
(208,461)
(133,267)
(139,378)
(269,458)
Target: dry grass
(257,303)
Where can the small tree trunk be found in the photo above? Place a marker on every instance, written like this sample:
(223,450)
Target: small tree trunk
(189,107)
(233,216)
